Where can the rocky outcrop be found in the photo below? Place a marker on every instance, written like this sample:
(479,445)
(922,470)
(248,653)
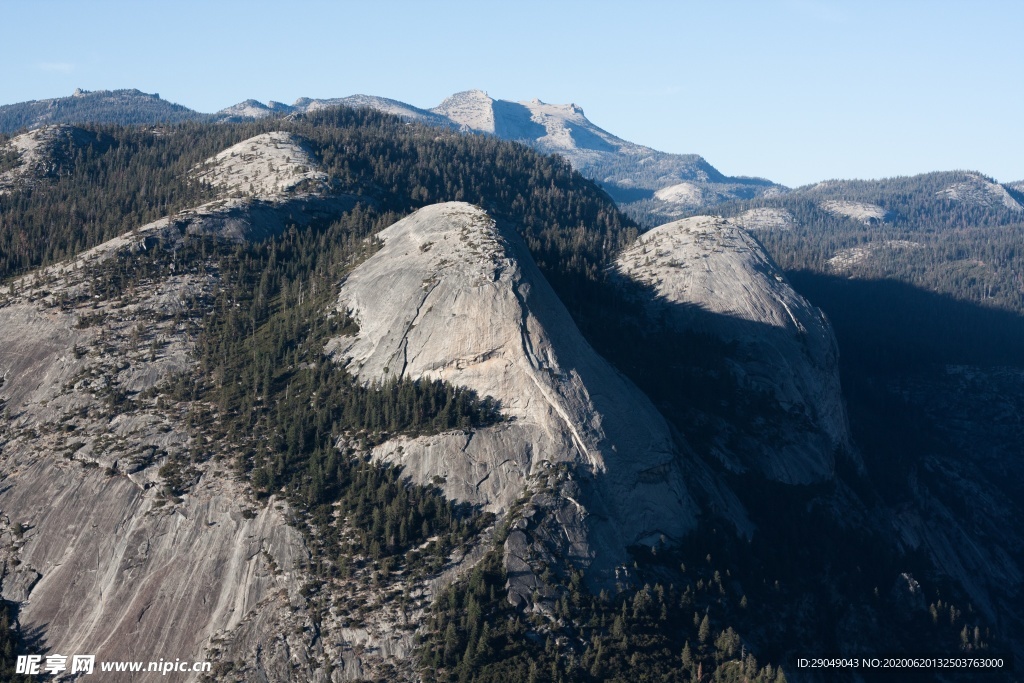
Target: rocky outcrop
(453,295)
(707,276)
(848,260)
(264,166)
(44,152)
(111,565)
(977,190)
(251,109)
(766,219)
(96,554)
(869,214)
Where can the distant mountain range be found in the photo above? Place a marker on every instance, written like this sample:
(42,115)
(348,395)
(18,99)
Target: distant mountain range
(100,106)
(651,186)
(668,185)
(339,396)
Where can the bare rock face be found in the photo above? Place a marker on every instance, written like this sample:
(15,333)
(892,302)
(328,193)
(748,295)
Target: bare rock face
(268,182)
(453,295)
(848,260)
(977,190)
(40,153)
(869,214)
(263,166)
(707,276)
(112,566)
(670,183)
(96,555)
(766,219)
(687,195)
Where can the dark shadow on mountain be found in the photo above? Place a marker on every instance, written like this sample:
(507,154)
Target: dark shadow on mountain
(622,194)
(926,375)
(836,538)
(24,640)
(687,360)
(934,389)
(1015,193)
(512,122)
(886,326)
(584,139)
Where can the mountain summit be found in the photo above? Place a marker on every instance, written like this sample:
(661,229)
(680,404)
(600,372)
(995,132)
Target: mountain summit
(665,185)
(645,182)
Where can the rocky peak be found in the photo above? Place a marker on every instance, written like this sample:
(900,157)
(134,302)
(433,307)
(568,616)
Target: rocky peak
(978,190)
(97,106)
(707,276)
(470,109)
(266,165)
(249,109)
(42,152)
(454,295)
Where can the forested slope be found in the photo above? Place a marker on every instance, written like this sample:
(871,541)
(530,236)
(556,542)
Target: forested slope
(254,399)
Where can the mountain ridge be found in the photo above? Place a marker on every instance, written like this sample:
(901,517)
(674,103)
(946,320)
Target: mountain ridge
(628,171)
(649,185)
(203,333)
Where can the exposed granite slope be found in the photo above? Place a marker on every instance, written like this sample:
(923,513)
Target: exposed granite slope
(95,552)
(38,154)
(263,166)
(708,276)
(96,555)
(453,295)
(976,190)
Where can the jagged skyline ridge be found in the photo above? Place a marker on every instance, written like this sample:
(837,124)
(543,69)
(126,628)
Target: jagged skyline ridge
(794,91)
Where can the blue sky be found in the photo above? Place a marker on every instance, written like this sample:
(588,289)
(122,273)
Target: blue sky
(793,90)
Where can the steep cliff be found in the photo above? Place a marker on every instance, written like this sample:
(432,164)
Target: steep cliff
(454,295)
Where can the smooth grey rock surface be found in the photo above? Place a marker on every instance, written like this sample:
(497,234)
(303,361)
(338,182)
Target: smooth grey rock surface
(977,190)
(96,558)
(453,295)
